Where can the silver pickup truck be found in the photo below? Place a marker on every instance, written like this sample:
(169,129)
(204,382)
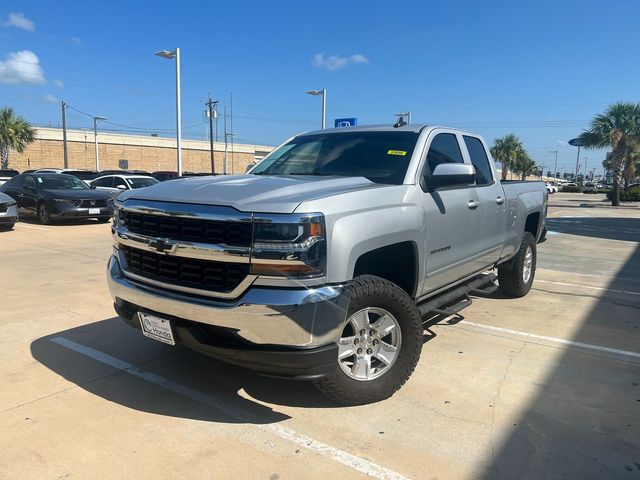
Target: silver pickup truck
(322,260)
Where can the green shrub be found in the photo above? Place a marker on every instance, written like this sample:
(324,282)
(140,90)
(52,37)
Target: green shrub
(631,195)
(569,189)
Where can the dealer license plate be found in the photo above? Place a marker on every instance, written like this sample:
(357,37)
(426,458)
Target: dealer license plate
(156,328)
(94,211)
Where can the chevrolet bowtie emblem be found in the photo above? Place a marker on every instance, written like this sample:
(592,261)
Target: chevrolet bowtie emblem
(162,246)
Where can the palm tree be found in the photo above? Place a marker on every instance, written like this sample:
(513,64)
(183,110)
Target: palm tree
(523,164)
(15,133)
(617,128)
(505,150)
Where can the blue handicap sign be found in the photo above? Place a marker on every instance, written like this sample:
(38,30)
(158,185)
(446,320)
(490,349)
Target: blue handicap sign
(345,122)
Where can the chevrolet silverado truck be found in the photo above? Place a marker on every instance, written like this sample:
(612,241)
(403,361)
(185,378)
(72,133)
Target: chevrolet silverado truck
(320,262)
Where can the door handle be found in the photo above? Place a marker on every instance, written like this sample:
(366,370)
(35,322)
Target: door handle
(473,204)
(499,200)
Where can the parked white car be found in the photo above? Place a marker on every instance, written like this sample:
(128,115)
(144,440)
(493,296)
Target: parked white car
(7,174)
(116,184)
(551,188)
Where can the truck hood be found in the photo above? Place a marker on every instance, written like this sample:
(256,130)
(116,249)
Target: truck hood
(250,193)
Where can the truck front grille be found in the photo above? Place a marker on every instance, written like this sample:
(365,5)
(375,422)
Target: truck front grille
(186,229)
(185,272)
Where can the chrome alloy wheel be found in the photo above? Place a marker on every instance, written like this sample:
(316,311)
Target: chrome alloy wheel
(528,265)
(370,344)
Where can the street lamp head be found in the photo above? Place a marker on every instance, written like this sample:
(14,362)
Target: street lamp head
(315,92)
(98,117)
(166,54)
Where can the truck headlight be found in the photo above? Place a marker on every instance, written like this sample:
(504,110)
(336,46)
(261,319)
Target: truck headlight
(293,246)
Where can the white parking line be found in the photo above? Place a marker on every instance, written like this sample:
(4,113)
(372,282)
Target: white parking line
(551,339)
(360,464)
(602,289)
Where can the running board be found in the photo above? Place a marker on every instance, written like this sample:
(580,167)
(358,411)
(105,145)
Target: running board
(453,309)
(473,286)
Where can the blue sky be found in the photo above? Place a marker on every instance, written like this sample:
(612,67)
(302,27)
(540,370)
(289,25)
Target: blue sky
(540,70)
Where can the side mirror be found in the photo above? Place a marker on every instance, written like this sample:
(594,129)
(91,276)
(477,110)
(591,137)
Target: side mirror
(92,186)
(452,174)
(121,187)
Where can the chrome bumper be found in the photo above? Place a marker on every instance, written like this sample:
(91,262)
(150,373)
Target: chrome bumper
(310,317)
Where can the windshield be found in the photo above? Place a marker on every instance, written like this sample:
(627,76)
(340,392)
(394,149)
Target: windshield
(59,182)
(382,157)
(141,182)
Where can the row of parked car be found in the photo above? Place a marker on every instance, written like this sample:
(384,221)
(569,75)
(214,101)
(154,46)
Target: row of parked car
(55,194)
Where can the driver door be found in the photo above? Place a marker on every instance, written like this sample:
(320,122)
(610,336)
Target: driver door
(451,217)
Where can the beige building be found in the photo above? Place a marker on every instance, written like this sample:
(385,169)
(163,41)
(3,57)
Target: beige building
(141,152)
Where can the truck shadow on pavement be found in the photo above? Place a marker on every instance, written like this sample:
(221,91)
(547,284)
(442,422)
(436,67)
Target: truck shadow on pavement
(583,422)
(610,228)
(217,391)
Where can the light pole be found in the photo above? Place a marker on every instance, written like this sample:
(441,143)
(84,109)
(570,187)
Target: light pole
(555,168)
(96,119)
(170,55)
(322,92)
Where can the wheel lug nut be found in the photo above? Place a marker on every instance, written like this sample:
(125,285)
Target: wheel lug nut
(359,351)
(356,341)
(369,351)
(375,342)
(363,331)
(372,333)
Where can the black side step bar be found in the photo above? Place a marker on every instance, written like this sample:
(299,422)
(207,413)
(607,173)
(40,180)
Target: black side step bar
(474,286)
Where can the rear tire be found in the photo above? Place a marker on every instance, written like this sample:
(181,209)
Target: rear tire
(390,347)
(515,277)
(43,214)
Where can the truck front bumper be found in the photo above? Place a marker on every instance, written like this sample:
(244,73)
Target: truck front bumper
(278,331)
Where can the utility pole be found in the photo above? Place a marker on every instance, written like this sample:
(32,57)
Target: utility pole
(231,119)
(64,134)
(586,172)
(210,105)
(577,163)
(226,145)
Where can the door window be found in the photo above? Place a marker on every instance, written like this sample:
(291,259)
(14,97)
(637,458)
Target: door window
(479,160)
(444,149)
(28,182)
(103,182)
(117,181)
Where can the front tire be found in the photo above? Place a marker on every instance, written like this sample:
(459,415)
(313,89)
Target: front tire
(379,346)
(7,226)
(43,214)
(515,277)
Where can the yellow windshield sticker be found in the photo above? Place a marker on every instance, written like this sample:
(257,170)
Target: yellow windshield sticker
(401,153)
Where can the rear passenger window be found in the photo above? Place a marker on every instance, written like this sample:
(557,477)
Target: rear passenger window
(444,149)
(479,159)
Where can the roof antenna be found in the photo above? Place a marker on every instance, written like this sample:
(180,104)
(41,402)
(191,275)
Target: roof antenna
(400,122)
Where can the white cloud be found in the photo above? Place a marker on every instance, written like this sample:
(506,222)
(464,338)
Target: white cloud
(21,67)
(336,62)
(58,83)
(48,98)
(18,20)
(75,40)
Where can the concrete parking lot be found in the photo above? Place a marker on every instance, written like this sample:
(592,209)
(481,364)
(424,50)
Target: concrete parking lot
(547,386)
